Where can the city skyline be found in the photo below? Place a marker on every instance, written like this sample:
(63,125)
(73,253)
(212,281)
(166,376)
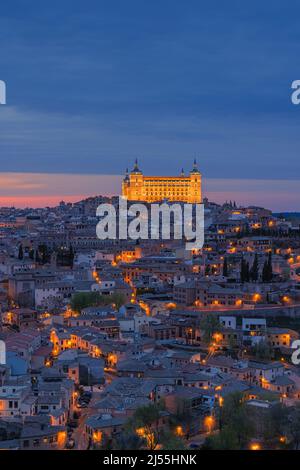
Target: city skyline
(46,189)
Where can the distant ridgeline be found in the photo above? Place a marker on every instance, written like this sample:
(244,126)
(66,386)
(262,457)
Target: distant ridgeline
(288,215)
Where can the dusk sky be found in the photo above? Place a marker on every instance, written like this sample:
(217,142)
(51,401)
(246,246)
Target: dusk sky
(93,85)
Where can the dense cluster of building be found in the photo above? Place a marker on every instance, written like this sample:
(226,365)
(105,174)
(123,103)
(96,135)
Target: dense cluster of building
(95,329)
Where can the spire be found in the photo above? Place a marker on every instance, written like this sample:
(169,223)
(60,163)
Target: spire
(182,172)
(195,167)
(136,168)
(126,175)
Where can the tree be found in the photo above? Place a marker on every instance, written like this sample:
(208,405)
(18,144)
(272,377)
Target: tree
(294,426)
(145,422)
(82,300)
(207,270)
(21,253)
(254,269)
(265,272)
(236,427)
(224,440)
(270,268)
(276,422)
(209,324)
(71,256)
(183,417)
(225,267)
(171,442)
(37,256)
(128,441)
(244,271)
(44,253)
(263,350)
(247,272)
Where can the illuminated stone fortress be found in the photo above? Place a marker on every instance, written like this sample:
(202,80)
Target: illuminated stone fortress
(137,187)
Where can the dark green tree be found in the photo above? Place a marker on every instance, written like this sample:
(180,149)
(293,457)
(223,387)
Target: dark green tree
(294,426)
(270,268)
(21,253)
(128,441)
(225,267)
(247,272)
(209,324)
(254,269)
(262,350)
(265,272)
(71,256)
(244,271)
(171,442)
(226,439)
(207,270)
(37,256)
(145,422)
(82,300)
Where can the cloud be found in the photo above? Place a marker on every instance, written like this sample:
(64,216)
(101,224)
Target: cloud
(256,148)
(91,88)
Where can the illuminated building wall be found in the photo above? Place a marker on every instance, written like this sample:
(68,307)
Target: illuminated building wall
(137,187)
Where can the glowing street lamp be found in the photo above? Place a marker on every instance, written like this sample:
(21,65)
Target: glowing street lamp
(255,446)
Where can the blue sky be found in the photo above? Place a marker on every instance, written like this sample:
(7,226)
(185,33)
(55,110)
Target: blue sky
(92,85)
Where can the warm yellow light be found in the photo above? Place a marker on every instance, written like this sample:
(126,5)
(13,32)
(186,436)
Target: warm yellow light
(282,439)
(140,432)
(217,337)
(255,446)
(209,422)
(179,431)
(171,305)
(61,438)
(97,436)
(113,359)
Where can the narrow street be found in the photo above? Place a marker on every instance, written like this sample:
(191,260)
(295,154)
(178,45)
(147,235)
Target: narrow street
(79,433)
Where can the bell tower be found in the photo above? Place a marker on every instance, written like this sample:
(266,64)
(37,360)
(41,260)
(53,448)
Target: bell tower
(195,185)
